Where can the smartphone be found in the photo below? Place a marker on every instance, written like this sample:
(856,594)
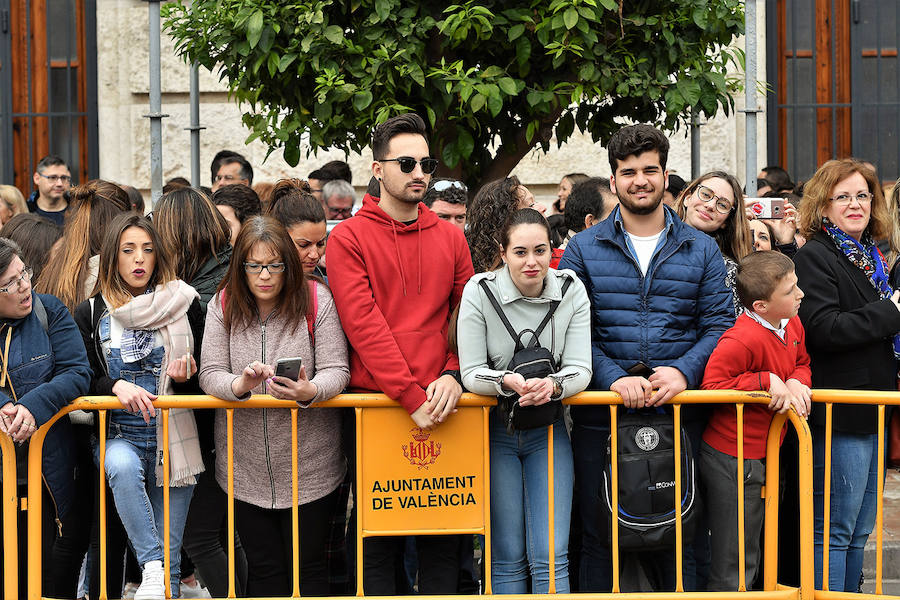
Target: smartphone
(289,368)
(767,208)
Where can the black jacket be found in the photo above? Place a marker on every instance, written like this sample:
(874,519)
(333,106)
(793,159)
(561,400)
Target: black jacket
(849,332)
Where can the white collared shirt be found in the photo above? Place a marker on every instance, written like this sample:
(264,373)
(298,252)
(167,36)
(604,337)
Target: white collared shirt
(779,331)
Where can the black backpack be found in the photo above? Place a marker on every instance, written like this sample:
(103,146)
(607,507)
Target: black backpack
(532,360)
(646,478)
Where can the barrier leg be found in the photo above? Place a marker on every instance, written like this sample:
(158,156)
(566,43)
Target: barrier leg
(486,549)
(10,519)
(679,540)
(229,421)
(614,471)
(102,477)
(167,545)
(879,511)
(742,550)
(551,511)
(359,513)
(295,501)
(826,498)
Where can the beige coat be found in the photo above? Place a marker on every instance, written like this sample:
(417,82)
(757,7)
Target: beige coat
(262,437)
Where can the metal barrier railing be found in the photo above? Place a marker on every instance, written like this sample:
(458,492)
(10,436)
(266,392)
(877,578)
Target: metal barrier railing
(362,402)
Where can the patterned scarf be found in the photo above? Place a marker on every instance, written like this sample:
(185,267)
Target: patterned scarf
(868,258)
(136,343)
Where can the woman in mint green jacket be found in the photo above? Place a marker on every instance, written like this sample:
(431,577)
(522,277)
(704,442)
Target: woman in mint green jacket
(525,289)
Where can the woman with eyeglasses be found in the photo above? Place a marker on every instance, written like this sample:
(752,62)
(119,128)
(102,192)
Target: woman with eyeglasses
(710,203)
(264,312)
(294,206)
(852,319)
(490,208)
(44,367)
(140,330)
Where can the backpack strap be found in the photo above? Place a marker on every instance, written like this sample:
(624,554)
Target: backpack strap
(311,315)
(553,306)
(496,305)
(512,332)
(40,312)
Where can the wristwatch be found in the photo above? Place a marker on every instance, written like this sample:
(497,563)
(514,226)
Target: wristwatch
(557,387)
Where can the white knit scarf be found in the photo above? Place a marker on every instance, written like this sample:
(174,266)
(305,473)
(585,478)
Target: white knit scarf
(165,310)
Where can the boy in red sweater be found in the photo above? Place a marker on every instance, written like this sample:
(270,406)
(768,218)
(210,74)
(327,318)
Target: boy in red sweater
(764,351)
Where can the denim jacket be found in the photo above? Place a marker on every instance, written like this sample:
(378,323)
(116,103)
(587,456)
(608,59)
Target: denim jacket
(47,370)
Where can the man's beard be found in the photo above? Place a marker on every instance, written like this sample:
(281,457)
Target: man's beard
(639,209)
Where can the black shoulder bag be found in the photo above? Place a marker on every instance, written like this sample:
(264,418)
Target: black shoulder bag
(529,361)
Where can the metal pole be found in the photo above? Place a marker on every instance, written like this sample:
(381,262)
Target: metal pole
(156,116)
(195,126)
(750,108)
(695,147)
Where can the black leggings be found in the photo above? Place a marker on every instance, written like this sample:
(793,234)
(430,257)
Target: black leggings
(266,537)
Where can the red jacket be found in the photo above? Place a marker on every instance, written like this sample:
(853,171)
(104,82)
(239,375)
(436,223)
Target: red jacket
(742,360)
(395,286)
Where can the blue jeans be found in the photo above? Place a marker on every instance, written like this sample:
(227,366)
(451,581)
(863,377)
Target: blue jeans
(854,481)
(520,541)
(131,455)
(130,469)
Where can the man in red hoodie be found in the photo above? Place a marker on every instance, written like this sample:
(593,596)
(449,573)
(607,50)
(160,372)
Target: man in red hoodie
(397,271)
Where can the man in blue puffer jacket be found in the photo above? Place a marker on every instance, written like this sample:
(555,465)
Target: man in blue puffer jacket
(659,303)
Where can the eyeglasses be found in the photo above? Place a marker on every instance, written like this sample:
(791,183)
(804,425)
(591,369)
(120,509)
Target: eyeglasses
(446,184)
(722,205)
(846,199)
(272,268)
(27,272)
(343,213)
(57,178)
(227,178)
(408,163)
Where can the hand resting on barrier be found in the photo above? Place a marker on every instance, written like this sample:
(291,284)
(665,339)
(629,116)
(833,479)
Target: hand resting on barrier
(17,421)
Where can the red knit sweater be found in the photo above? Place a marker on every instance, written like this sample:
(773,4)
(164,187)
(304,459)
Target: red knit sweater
(742,360)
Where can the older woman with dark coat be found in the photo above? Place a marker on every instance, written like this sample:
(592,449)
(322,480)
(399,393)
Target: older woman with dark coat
(852,319)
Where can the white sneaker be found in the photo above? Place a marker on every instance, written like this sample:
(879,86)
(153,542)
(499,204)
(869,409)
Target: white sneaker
(153,583)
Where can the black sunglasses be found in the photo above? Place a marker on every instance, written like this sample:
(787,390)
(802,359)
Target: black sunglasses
(408,163)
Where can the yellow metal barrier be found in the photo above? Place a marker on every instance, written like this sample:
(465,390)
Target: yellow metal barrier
(362,402)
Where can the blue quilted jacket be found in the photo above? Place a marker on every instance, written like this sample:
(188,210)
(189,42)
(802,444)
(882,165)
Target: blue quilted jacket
(673,316)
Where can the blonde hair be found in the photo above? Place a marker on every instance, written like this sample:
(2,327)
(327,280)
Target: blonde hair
(91,207)
(14,199)
(893,203)
(817,194)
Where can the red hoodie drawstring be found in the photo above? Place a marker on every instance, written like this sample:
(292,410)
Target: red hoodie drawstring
(419,242)
(399,259)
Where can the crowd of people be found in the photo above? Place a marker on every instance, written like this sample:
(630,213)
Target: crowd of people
(640,283)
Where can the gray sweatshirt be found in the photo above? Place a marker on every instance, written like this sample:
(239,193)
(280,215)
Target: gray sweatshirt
(262,437)
(481,334)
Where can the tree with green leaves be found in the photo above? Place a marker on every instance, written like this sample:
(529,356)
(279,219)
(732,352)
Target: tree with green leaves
(495,79)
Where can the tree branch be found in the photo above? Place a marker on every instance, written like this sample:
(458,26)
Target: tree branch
(509,155)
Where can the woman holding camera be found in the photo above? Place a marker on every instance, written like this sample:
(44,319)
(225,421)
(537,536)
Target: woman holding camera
(269,310)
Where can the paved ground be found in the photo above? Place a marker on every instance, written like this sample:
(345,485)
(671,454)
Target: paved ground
(891,562)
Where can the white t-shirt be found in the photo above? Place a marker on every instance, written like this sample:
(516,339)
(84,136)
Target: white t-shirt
(644,247)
